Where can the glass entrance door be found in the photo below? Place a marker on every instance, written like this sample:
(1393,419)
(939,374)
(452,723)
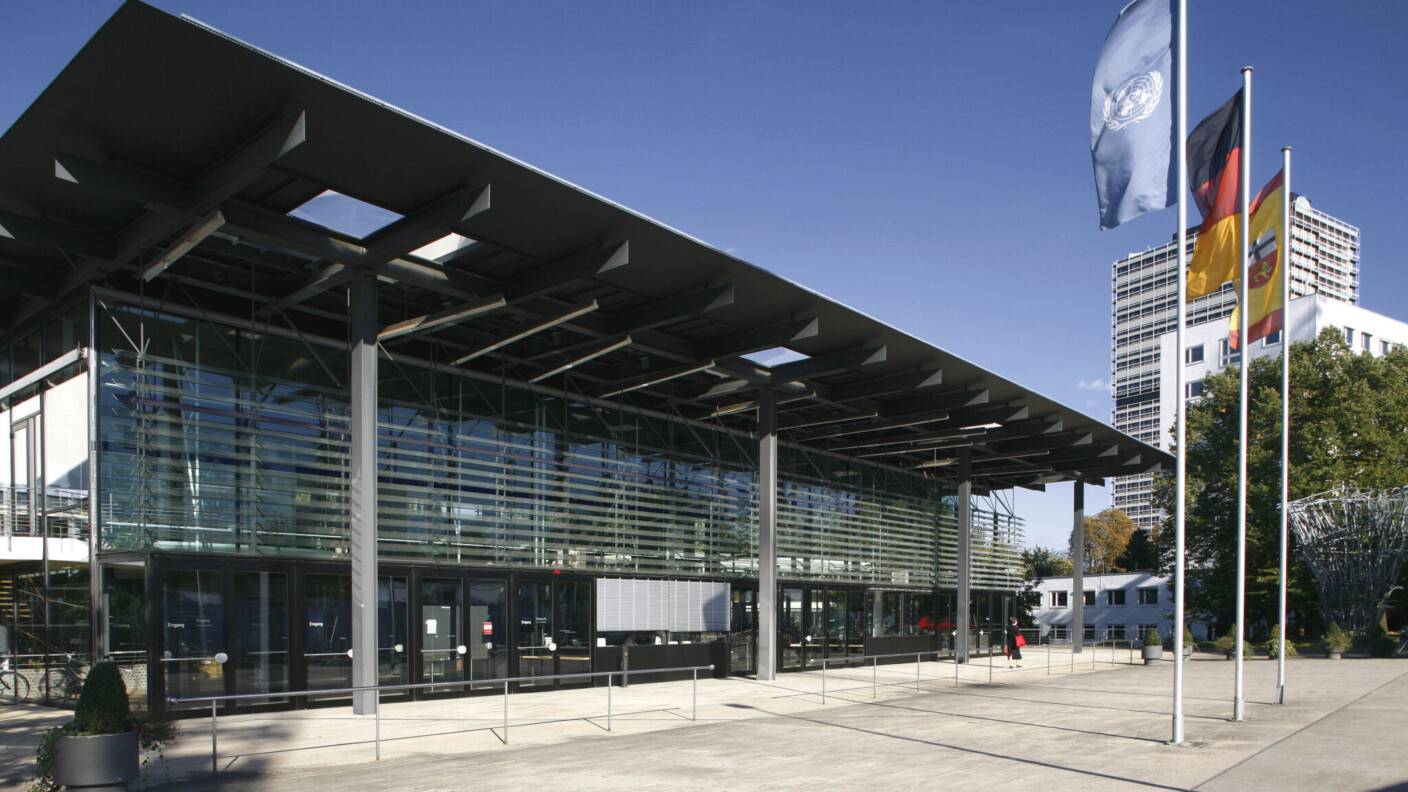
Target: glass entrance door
(554,629)
(441,628)
(855,623)
(260,660)
(836,643)
(194,627)
(791,628)
(743,632)
(573,605)
(534,648)
(488,629)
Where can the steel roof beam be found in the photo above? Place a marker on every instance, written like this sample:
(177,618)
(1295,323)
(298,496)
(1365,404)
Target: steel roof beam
(829,363)
(39,232)
(533,329)
(893,383)
(952,400)
(450,315)
(673,308)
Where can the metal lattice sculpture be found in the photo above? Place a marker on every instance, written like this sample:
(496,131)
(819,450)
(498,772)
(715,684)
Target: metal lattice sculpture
(1353,540)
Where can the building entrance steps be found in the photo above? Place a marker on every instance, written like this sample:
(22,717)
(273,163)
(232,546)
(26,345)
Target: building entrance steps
(1104,729)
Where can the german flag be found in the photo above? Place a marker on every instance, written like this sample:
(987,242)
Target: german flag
(1214,172)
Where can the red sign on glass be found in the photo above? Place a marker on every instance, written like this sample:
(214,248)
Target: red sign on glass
(488,628)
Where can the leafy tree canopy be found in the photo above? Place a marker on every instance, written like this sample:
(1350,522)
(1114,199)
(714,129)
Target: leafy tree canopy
(1106,536)
(1040,563)
(1349,425)
(1140,553)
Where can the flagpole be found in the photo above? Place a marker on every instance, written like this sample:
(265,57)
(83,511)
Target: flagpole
(1181,120)
(1238,703)
(1285,411)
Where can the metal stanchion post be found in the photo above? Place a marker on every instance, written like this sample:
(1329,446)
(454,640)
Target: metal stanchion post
(608,702)
(214,769)
(955,667)
(377,712)
(505,713)
(874,679)
(823,681)
(916,672)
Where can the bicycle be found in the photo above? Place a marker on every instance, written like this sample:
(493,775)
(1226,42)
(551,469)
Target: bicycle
(14,687)
(64,683)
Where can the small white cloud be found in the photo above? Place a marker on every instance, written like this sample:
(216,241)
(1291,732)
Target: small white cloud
(1094,385)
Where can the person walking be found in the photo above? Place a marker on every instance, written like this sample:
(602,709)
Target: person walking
(1014,644)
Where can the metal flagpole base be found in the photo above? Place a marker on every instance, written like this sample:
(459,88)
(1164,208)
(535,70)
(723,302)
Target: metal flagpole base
(1280,694)
(1239,711)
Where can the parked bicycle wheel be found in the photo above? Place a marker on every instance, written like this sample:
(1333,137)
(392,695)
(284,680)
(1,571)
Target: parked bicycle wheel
(14,688)
(129,680)
(61,685)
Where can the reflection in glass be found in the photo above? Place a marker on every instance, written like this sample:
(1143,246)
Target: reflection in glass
(194,630)
(328,599)
(574,630)
(835,623)
(441,604)
(791,628)
(392,668)
(488,625)
(534,630)
(742,631)
(260,655)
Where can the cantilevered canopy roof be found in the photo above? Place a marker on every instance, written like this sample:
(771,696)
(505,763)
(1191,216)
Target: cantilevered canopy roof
(169,151)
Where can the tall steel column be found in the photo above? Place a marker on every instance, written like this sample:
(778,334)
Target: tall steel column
(361,310)
(767,535)
(1077,565)
(98,620)
(964,509)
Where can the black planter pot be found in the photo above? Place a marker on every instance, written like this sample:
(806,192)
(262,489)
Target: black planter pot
(101,763)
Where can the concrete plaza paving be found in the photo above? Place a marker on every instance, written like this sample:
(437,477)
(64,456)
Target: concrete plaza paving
(1344,727)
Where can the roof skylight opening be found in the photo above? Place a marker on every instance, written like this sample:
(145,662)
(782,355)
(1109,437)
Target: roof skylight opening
(775,357)
(442,247)
(335,211)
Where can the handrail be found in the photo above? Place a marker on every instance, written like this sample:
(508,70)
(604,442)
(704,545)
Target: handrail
(505,681)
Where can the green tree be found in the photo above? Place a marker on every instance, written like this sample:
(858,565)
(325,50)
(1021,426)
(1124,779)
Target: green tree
(1349,425)
(1106,536)
(1140,553)
(1038,563)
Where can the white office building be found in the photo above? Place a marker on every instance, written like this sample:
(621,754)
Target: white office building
(1324,261)
(1206,350)
(1119,606)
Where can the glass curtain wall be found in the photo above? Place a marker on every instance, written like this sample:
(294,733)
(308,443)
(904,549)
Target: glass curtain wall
(220,440)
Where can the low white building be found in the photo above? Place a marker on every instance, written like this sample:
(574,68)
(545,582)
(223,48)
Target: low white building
(1118,606)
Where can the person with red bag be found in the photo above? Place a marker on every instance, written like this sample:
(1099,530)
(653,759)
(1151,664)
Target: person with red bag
(1015,642)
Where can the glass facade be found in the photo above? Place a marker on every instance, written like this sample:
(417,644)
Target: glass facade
(223,459)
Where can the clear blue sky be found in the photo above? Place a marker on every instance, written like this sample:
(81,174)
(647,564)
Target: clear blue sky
(927,163)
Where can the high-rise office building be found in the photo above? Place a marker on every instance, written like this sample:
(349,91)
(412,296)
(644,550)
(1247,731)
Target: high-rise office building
(1324,260)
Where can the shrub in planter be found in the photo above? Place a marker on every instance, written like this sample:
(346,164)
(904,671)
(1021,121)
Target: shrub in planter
(1273,644)
(1335,641)
(1153,650)
(1227,645)
(101,746)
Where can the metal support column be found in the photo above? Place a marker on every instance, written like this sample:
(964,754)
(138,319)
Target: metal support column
(767,535)
(98,620)
(361,310)
(965,553)
(1077,565)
